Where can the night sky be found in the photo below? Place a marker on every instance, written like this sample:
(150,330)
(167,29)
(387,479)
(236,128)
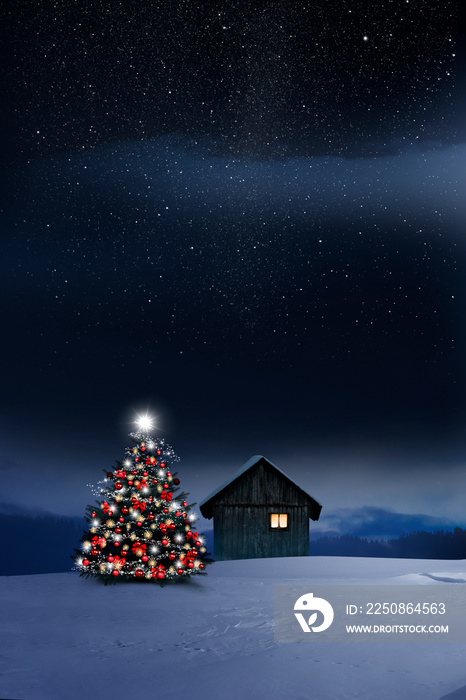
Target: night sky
(248,219)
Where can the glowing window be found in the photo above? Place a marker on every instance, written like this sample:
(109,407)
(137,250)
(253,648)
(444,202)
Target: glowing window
(278,521)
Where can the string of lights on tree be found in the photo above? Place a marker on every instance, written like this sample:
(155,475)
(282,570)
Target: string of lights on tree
(142,528)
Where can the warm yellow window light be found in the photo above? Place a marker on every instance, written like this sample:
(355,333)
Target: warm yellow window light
(278,521)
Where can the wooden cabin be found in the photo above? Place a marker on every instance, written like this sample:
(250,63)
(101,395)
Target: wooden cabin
(260,512)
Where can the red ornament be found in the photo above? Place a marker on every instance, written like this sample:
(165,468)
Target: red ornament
(94,552)
(164,542)
(121,519)
(165,510)
(151,516)
(143,449)
(160,574)
(125,510)
(176,482)
(118,530)
(166,486)
(172,556)
(110,513)
(184,515)
(109,475)
(155,481)
(198,543)
(110,558)
(118,485)
(139,523)
(188,534)
(115,572)
(178,513)
(190,565)
(145,557)
(145,473)
(172,526)
(138,573)
(136,459)
(201,566)
(185,504)
(94,514)
(162,465)
(130,482)
(179,571)
(85,562)
(158,452)
(134,472)
(116,543)
(151,498)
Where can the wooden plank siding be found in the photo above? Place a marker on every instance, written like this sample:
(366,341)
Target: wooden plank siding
(242,507)
(242,532)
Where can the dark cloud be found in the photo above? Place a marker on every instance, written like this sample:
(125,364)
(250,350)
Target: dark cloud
(377,523)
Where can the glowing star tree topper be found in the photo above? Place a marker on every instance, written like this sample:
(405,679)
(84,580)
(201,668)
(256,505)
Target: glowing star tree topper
(142,529)
(144,422)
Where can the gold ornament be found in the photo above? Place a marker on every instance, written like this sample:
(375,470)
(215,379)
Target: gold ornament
(93,530)
(118,498)
(126,547)
(203,549)
(151,562)
(147,535)
(139,552)
(110,523)
(153,527)
(148,575)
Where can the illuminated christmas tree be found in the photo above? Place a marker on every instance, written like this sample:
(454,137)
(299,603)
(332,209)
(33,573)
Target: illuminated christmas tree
(142,529)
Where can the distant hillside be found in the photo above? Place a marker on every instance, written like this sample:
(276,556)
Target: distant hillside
(38,544)
(442,544)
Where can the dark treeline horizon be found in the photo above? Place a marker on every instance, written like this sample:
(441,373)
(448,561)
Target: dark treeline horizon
(420,544)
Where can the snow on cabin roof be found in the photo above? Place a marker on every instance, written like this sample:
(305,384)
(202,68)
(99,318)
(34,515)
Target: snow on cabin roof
(250,463)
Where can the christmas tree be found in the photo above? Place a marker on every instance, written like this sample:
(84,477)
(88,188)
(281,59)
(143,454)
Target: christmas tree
(142,529)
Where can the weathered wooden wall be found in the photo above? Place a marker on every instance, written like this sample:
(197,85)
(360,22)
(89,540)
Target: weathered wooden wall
(242,532)
(242,516)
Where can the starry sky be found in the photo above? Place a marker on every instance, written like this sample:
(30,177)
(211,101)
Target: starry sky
(248,219)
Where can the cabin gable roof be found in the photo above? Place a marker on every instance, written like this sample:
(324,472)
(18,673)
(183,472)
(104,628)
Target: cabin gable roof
(259,482)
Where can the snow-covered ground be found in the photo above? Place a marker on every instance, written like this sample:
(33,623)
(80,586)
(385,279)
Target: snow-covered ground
(65,638)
